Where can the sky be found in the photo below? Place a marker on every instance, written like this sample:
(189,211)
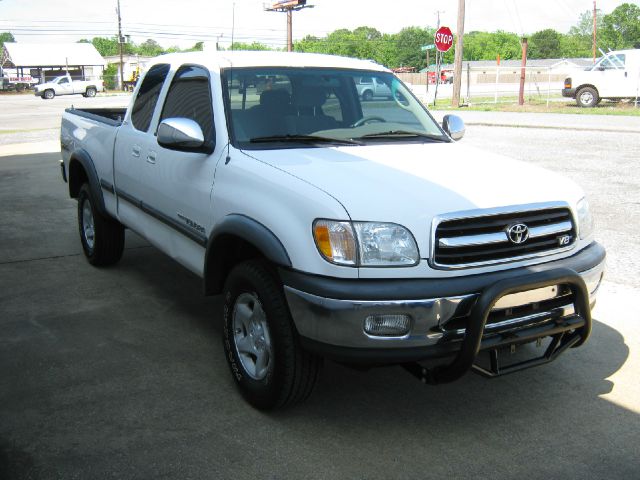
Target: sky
(184,22)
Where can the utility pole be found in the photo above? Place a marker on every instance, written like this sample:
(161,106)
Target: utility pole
(457,66)
(120,47)
(288,6)
(523,71)
(595,19)
(289,30)
(438,12)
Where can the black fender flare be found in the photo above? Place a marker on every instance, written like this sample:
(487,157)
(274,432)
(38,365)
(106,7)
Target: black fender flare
(217,257)
(84,159)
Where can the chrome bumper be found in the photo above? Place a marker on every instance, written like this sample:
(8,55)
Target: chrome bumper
(340,323)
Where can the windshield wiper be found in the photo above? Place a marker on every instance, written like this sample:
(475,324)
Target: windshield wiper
(404,133)
(303,139)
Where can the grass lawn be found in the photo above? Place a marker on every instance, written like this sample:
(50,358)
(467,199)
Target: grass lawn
(534,105)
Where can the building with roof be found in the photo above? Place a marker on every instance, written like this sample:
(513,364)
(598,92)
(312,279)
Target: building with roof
(44,61)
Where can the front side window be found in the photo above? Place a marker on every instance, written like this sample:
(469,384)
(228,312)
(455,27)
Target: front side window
(63,80)
(189,97)
(611,62)
(147,97)
(289,107)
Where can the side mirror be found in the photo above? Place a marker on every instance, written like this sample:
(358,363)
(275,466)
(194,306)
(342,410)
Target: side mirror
(454,126)
(180,134)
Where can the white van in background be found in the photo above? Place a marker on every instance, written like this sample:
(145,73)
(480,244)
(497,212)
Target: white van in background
(615,76)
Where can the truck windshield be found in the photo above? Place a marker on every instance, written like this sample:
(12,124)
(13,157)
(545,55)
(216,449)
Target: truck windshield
(290,107)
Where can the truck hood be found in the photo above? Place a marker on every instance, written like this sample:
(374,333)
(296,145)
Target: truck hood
(409,184)
(386,182)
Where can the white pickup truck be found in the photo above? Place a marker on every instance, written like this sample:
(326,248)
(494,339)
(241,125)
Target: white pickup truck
(615,76)
(65,85)
(332,226)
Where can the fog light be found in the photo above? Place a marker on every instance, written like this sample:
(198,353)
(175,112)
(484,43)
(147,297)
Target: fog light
(387,325)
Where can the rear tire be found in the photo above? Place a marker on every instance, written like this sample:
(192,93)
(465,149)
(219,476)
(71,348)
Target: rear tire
(91,92)
(261,344)
(49,94)
(102,237)
(587,97)
(367,96)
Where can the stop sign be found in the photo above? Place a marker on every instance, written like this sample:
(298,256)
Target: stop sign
(443,39)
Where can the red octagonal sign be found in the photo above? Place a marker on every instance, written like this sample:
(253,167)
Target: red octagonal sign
(443,39)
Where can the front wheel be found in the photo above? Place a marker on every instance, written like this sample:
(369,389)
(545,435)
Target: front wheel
(102,237)
(367,96)
(587,97)
(261,344)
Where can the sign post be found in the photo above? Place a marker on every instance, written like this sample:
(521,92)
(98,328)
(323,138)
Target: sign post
(427,48)
(443,40)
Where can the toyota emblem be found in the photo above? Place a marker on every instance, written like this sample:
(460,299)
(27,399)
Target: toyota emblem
(518,233)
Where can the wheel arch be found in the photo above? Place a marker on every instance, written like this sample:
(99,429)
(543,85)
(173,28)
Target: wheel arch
(82,170)
(585,85)
(235,239)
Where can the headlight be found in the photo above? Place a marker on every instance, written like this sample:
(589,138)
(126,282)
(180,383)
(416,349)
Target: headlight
(585,220)
(366,244)
(385,245)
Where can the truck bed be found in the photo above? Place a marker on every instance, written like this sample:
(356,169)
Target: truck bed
(110,116)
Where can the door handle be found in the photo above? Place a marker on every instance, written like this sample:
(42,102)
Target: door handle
(625,74)
(151,158)
(135,151)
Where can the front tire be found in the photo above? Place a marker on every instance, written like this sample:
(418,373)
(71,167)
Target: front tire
(102,237)
(261,344)
(367,96)
(587,97)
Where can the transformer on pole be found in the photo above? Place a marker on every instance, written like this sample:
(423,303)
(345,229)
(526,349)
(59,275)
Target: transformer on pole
(288,6)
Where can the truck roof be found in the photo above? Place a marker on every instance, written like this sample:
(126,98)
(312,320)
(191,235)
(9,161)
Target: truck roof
(226,59)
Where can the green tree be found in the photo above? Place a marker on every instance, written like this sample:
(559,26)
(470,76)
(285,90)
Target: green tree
(249,46)
(621,28)
(110,76)
(108,47)
(198,47)
(488,46)
(149,48)
(6,37)
(408,43)
(545,44)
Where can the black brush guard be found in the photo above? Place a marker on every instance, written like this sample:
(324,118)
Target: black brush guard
(565,332)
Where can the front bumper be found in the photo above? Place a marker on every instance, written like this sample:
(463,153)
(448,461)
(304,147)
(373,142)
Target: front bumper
(329,313)
(569,92)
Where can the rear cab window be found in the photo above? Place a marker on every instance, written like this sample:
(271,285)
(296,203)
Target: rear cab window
(147,97)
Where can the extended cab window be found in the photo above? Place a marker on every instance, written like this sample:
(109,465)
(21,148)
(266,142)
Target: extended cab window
(190,97)
(63,80)
(147,97)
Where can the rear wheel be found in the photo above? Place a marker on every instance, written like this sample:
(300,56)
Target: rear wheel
(102,237)
(91,92)
(261,345)
(587,97)
(367,95)
(49,94)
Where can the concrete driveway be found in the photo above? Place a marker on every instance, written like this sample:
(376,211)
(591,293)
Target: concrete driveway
(119,372)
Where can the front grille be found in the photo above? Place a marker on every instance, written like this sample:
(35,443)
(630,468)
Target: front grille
(484,239)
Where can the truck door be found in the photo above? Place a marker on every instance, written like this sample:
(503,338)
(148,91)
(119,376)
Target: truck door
(64,86)
(134,141)
(180,180)
(615,78)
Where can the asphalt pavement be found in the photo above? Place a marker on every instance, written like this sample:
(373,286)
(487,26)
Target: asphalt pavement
(119,372)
